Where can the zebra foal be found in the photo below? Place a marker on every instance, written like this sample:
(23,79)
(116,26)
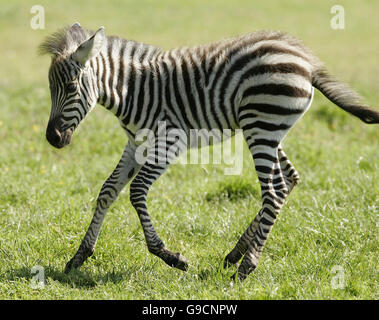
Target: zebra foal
(261,83)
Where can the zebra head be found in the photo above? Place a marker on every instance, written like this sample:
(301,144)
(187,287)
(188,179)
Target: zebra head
(72,82)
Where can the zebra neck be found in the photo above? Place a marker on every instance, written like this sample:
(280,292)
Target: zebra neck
(123,70)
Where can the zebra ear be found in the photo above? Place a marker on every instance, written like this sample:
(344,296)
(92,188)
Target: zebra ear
(90,48)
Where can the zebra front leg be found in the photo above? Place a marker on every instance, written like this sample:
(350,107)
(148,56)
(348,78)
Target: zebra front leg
(138,193)
(122,174)
(139,189)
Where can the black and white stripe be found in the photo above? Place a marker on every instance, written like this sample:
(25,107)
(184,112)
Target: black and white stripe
(261,83)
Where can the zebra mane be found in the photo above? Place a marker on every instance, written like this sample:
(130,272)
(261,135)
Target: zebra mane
(64,41)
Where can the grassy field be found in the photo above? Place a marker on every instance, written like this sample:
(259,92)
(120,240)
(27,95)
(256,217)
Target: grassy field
(47,196)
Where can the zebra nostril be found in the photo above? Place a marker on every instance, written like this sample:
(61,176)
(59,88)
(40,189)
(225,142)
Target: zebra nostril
(57,136)
(53,136)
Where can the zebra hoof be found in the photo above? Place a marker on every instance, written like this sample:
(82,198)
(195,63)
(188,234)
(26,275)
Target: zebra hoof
(230,262)
(238,277)
(175,260)
(68,267)
(72,264)
(181,263)
(244,270)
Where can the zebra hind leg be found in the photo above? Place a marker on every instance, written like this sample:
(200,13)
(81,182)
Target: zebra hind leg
(291,178)
(276,183)
(290,174)
(274,191)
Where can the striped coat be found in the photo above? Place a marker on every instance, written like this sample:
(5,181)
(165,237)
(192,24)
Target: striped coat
(260,83)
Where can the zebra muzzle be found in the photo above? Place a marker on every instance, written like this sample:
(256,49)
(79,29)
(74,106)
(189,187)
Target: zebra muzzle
(57,138)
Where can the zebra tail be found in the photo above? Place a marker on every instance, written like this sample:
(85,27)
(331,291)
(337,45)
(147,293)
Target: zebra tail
(342,95)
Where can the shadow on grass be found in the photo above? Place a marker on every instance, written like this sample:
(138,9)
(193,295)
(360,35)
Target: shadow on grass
(233,190)
(217,271)
(206,274)
(75,279)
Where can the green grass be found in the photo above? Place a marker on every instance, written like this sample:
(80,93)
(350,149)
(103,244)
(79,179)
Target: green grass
(47,196)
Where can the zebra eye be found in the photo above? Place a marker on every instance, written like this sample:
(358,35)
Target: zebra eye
(70,87)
